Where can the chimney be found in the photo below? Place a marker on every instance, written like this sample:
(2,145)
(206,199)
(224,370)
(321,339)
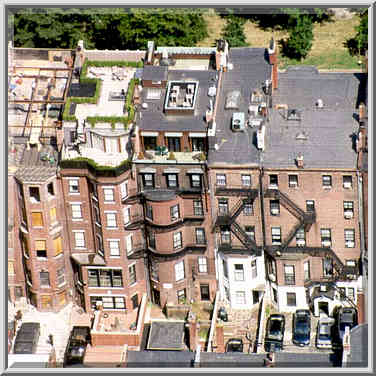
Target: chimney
(193,328)
(150,53)
(360,306)
(273,60)
(362,112)
(300,161)
(59,138)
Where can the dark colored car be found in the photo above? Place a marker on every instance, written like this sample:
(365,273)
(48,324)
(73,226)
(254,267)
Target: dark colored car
(347,316)
(234,345)
(275,330)
(301,330)
(26,341)
(77,343)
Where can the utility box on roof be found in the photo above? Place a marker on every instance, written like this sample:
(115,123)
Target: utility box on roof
(237,123)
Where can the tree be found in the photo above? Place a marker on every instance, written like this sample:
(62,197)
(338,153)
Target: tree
(234,32)
(358,45)
(300,27)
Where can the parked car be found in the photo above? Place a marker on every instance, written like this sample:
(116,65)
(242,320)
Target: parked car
(324,334)
(27,337)
(275,329)
(234,345)
(301,332)
(237,123)
(77,343)
(347,316)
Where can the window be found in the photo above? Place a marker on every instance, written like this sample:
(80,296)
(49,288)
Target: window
(307,272)
(254,268)
(60,276)
(100,244)
(198,144)
(108,302)
(111,220)
(152,239)
(172,181)
(239,272)
(148,180)
(225,236)
(200,236)
(182,298)
(291,299)
(178,242)
(97,215)
(246,180)
(223,206)
(289,274)
(221,179)
(273,181)
(195,181)
(79,238)
(150,143)
(173,144)
(53,218)
(342,292)
(327,264)
(37,219)
(293,181)
(126,215)
(58,246)
(108,194)
(274,207)
(40,247)
(348,209)
(129,244)
(197,208)
(74,186)
(44,279)
(326,237)
(271,268)
(205,293)
(310,204)
(202,264)
(327,181)
(34,194)
(248,209)
(347,181)
(225,268)
(124,189)
(351,293)
(149,211)
(114,247)
(154,270)
(174,212)
(240,297)
(349,238)
(76,211)
(62,297)
(179,271)
(250,231)
(132,274)
(105,278)
(300,237)
(11,270)
(134,300)
(276,235)
(50,189)
(275,295)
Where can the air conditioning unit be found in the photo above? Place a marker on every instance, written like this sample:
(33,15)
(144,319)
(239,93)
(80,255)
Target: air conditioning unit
(350,244)
(326,243)
(349,214)
(274,211)
(293,184)
(347,184)
(300,242)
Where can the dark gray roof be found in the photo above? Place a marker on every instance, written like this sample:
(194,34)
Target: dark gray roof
(153,118)
(358,347)
(231,359)
(166,335)
(160,195)
(329,130)
(286,359)
(154,73)
(154,359)
(250,70)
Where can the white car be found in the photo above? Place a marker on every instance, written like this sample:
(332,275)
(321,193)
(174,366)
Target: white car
(324,334)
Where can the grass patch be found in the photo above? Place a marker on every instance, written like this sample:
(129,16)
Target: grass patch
(203,333)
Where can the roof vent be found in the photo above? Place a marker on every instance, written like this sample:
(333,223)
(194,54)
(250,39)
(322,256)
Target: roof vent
(300,161)
(320,103)
(323,288)
(301,136)
(144,106)
(294,114)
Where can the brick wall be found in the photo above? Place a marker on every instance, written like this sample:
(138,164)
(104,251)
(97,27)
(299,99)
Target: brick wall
(115,55)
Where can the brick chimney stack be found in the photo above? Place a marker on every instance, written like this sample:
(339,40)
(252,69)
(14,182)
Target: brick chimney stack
(360,306)
(273,60)
(300,161)
(362,112)
(193,328)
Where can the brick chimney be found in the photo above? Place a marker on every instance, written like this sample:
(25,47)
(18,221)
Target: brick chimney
(59,138)
(300,161)
(362,112)
(220,338)
(273,60)
(193,328)
(360,306)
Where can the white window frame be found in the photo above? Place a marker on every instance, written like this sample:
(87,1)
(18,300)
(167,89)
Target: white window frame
(76,208)
(129,244)
(124,189)
(254,271)
(132,272)
(74,183)
(349,238)
(221,180)
(114,247)
(239,273)
(240,297)
(179,271)
(127,214)
(110,221)
(202,264)
(293,180)
(177,240)
(60,274)
(325,180)
(277,231)
(347,181)
(108,194)
(79,239)
(246,180)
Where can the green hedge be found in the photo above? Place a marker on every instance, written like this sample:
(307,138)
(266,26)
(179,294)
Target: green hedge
(107,119)
(94,168)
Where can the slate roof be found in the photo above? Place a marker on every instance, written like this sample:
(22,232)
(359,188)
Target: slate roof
(304,360)
(166,335)
(154,359)
(153,118)
(358,347)
(224,360)
(250,70)
(154,73)
(329,130)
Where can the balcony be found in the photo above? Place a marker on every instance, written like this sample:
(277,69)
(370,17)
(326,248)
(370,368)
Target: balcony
(136,220)
(230,248)
(236,190)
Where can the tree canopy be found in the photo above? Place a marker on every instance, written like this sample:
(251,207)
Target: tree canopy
(108,28)
(234,32)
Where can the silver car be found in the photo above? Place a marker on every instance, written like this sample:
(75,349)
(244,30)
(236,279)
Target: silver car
(324,334)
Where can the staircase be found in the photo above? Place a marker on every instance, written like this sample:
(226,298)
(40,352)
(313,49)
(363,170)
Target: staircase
(292,234)
(243,237)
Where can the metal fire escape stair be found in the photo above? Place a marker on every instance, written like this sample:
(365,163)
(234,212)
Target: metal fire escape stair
(243,237)
(291,235)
